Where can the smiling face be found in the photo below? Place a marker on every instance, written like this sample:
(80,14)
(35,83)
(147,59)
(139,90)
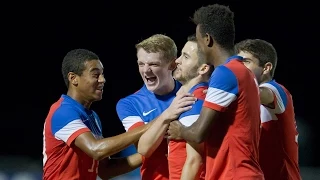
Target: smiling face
(89,85)
(154,71)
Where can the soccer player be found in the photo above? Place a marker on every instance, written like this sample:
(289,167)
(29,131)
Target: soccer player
(185,159)
(72,137)
(279,137)
(229,121)
(156,60)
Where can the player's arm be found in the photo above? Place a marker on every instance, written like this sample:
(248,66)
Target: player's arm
(276,96)
(222,91)
(100,149)
(193,162)
(109,168)
(266,96)
(153,137)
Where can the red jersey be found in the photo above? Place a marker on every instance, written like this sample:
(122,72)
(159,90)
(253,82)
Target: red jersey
(279,131)
(62,160)
(232,145)
(177,148)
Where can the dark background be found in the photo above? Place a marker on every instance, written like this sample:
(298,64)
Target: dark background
(38,35)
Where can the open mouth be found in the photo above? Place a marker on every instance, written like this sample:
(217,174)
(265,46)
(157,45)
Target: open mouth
(151,79)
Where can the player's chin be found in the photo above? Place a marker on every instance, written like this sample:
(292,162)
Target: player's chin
(97,96)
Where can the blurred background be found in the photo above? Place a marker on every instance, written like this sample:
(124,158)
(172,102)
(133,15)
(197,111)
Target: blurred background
(36,36)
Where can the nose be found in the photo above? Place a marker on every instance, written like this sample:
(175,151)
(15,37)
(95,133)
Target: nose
(146,68)
(101,79)
(178,60)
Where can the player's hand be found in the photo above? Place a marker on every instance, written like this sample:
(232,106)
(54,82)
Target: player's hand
(181,103)
(174,130)
(205,91)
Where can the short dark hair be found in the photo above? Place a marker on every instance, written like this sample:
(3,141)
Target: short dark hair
(217,20)
(74,61)
(260,49)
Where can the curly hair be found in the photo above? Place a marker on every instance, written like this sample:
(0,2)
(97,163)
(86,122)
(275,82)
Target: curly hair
(74,61)
(218,21)
(260,49)
(160,43)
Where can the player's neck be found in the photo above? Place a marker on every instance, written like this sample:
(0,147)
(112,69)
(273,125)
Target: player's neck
(192,82)
(166,89)
(265,79)
(79,98)
(220,56)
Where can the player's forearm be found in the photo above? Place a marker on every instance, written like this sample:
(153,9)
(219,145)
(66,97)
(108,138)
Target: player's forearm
(190,171)
(199,130)
(152,138)
(119,166)
(192,133)
(193,161)
(112,145)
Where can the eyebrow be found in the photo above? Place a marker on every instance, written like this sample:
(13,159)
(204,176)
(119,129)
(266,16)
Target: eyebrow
(184,53)
(95,69)
(247,59)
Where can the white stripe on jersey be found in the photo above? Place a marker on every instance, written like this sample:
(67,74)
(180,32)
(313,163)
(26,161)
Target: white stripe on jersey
(220,97)
(279,106)
(131,120)
(45,157)
(267,114)
(189,120)
(65,132)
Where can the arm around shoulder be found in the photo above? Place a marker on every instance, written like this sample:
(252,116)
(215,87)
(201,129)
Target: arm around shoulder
(109,168)
(102,148)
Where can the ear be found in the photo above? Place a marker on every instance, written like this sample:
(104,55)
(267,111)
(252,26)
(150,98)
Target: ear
(172,65)
(267,68)
(73,78)
(203,69)
(209,40)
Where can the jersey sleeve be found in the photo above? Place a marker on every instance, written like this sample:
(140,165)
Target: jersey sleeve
(280,96)
(223,89)
(187,118)
(66,125)
(128,115)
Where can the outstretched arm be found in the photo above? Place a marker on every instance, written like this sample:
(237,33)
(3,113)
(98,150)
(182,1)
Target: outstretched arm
(153,137)
(100,149)
(109,168)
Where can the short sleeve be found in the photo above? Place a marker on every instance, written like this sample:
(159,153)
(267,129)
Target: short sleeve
(223,89)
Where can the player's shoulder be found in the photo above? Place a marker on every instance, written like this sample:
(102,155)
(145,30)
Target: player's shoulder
(133,98)
(273,85)
(66,109)
(199,92)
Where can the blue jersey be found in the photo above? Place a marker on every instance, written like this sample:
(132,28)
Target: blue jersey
(141,108)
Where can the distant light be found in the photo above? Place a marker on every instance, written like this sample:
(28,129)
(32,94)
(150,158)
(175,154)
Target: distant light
(23,176)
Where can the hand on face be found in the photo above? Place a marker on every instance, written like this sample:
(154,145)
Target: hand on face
(174,131)
(181,103)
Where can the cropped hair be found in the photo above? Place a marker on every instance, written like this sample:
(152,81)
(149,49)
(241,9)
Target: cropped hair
(218,21)
(160,43)
(260,49)
(74,61)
